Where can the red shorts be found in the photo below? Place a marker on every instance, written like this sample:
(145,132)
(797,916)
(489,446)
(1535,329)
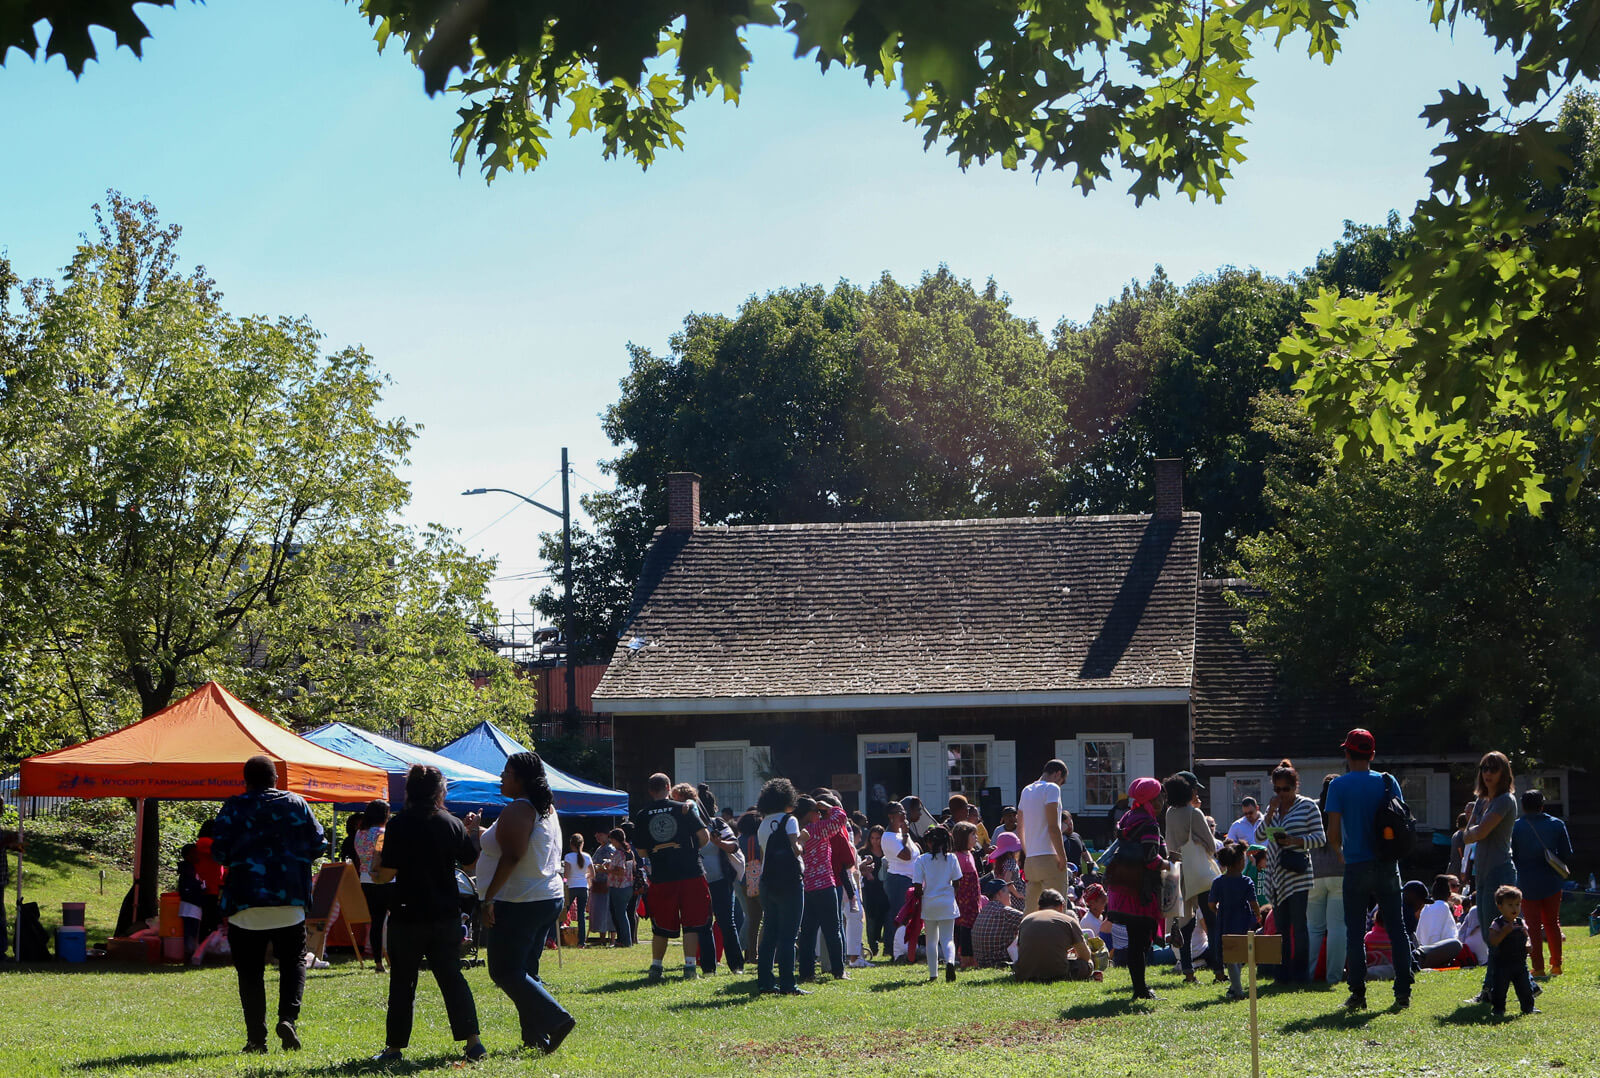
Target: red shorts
(678,904)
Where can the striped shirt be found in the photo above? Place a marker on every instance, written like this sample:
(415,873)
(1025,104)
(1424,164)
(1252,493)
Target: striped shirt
(818,873)
(1303,820)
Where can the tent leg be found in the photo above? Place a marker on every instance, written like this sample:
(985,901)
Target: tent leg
(16,922)
(138,858)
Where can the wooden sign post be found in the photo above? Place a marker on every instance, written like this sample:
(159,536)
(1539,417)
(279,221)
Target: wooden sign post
(1250,949)
(336,895)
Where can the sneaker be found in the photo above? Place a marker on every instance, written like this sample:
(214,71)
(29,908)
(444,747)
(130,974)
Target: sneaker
(950,972)
(1471,1001)
(1497,1012)
(255,1048)
(1555,969)
(1144,993)
(1531,1010)
(317,963)
(691,973)
(287,1034)
(795,991)
(656,974)
(1237,995)
(859,963)
(1356,1001)
(1402,1000)
(388,1055)
(475,1052)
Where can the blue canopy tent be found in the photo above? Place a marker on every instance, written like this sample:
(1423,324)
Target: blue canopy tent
(487,747)
(467,787)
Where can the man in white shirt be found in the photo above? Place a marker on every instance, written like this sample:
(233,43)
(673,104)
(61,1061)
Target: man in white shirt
(1243,830)
(1039,826)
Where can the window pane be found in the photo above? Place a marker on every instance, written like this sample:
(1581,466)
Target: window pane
(1241,788)
(1105,772)
(724,773)
(967,768)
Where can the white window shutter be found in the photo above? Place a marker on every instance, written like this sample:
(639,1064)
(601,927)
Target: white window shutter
(1141,760)
(1003,770)
(1438,817)
(757,765)
(1069,752)
(686,765)
(933,775)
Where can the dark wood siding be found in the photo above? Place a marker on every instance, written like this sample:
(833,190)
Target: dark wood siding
(811,747)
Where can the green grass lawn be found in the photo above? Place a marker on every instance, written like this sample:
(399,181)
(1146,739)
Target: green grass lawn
(100,1019)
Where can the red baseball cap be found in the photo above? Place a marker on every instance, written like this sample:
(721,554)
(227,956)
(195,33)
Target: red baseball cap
(1360,742)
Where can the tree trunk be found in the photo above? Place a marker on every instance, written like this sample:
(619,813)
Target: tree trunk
(147,903)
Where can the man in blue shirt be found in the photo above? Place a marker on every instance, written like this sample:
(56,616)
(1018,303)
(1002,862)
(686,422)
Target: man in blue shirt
(1353,800)
(1535,834)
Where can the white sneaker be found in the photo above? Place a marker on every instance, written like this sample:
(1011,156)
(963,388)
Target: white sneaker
(318,963)
(859,963)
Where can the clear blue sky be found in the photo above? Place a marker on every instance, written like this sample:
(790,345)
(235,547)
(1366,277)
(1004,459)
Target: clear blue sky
(312,176)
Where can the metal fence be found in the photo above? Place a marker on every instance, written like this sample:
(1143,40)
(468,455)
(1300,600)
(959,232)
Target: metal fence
(31,808)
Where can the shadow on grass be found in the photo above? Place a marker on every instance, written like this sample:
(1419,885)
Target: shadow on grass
(894,986)
(1339,1019)
(728,995)
(410,1064)
(98,965)
(631,984)
(1466,1014)
(143,1059)
(1117,1006)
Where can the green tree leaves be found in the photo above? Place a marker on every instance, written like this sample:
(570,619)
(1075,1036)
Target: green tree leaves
(186,494)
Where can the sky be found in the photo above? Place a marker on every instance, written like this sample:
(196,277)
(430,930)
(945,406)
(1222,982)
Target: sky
(312,176)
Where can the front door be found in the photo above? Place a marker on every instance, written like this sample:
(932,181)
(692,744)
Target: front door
(887,777)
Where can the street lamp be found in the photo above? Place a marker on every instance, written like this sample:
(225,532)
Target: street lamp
(565,513)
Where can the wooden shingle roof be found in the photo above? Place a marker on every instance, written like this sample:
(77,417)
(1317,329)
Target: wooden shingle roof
(1242,710)
(1030,605)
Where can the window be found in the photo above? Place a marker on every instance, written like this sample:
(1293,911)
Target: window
(967,768)
(1550,783)
(1240,787)
(1105,772)
(723,770)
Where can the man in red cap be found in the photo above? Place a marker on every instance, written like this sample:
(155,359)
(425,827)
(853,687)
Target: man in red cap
(1353,801)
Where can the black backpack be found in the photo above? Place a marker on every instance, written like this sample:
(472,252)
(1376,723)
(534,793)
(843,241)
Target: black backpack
(1394,829)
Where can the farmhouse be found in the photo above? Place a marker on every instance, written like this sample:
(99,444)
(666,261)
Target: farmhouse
(925,657)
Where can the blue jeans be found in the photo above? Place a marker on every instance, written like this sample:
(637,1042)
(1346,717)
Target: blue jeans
(895,887)
(1365,881)
(780,926)
(621,901)
(821,914)
(1325,921)
(722,916)
(515,943)
(1501,875)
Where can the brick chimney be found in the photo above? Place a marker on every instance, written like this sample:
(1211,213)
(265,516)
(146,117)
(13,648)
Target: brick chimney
(1169,489)
(683,501)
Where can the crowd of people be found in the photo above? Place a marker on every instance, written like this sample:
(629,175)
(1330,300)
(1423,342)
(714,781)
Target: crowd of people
(797,882)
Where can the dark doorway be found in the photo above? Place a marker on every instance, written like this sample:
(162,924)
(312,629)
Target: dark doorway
(887,777)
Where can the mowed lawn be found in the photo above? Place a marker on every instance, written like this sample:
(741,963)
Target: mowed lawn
(103,1019)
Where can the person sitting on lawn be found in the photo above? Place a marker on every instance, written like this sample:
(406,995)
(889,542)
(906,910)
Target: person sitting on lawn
(1438,942)
(995,930)
(1051,945)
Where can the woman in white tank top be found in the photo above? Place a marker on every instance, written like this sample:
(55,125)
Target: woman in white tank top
(520,881)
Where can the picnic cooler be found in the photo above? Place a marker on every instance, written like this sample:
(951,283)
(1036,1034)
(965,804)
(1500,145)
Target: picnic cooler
(127,949)
(72,943)
(171,923)
(72,914)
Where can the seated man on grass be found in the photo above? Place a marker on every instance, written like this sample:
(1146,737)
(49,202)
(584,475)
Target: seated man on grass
(1051,945)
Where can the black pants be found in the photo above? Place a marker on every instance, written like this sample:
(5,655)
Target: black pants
(377,895)
(250,962)
(1511,975)
(1141,930)
(821,913)
(440,943)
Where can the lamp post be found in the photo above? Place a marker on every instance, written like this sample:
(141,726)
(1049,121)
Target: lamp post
(565,513)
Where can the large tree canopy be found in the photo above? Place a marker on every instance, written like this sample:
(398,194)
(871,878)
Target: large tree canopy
(1482,335)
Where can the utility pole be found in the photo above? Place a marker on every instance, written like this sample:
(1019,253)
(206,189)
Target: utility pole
(570,717)
(566,606)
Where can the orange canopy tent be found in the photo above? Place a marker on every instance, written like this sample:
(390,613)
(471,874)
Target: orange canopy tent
(194,750)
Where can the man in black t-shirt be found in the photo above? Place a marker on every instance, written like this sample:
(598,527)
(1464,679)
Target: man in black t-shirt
(671,833)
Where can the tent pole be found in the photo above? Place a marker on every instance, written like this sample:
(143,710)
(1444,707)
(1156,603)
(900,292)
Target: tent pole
(138,860)
(16,925)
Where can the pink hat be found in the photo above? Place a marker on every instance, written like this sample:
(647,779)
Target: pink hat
(1008,842)
(1144,791)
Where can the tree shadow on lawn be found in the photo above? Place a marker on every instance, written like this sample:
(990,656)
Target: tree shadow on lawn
(143,1059)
